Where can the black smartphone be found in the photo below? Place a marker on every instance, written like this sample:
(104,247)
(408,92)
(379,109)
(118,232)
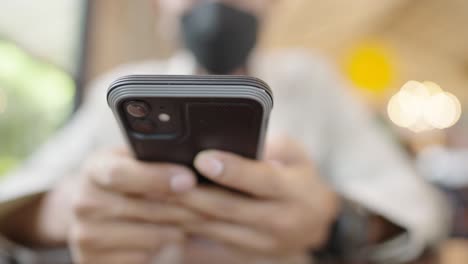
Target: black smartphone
(171,118)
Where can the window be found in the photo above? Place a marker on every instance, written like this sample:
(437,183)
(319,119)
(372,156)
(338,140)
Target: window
(41,51)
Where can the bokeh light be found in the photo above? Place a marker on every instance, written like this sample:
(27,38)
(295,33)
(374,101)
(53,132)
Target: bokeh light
(423,106)
(439,111)
(458,109)
(370,67)
(432,87)
(397,114)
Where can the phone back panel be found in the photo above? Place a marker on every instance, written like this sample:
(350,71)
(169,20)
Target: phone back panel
(205,112)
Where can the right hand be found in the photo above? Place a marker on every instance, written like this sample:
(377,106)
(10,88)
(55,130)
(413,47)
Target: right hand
(119,214)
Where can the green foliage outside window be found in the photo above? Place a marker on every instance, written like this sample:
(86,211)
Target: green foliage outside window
(35,99)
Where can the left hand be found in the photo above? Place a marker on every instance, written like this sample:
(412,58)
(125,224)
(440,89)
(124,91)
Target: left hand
(288,209)
(205,251)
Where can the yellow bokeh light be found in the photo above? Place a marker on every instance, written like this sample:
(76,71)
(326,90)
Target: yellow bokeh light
(369,66)
(423,106)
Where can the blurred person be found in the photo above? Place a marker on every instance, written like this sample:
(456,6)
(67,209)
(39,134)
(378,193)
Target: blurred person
(447,168)
(332,184)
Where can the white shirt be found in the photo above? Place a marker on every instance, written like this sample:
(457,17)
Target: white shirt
(311,103)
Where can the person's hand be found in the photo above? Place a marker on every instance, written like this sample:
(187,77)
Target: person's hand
(119,213)
(288,209)
(204,251)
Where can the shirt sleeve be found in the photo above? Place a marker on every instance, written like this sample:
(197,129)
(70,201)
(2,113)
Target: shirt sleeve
(367,167)
(354,152)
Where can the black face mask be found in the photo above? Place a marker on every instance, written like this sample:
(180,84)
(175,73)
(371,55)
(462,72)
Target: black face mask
(220,37)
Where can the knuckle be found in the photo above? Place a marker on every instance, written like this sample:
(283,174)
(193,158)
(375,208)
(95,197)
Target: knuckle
(113,174)
(142,259)
(164,235)
(155,242)
(157,185)
(276,185)
(225,205)
(171,234)
(119,210)
(286,223)
(83,207)
(104,167)
(83,237)
(84,203)
(270,246)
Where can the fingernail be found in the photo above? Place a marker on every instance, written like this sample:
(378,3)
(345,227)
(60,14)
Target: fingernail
(182,183)
(208,165)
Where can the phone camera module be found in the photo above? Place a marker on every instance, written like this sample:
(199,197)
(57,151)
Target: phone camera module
(137,109)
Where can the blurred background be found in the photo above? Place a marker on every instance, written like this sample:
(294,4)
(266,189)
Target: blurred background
(50,50)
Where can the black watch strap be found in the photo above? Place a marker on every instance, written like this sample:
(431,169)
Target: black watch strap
(348,235)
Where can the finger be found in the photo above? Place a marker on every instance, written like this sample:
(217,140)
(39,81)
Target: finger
(284,149)
(202,250)
(122,235)
(124,174)
(207,251)
(254,177)
(235,235)
(114,257)
(96,204)
(229,206)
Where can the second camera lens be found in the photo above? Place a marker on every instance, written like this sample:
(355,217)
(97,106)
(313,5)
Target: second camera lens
(144,126)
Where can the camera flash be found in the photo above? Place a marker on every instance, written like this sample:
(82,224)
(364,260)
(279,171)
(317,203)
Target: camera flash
(164,117)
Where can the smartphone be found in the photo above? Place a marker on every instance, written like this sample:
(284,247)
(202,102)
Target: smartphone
(171,118)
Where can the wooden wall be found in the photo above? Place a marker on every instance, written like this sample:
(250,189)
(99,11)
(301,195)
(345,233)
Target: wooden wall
(429,37)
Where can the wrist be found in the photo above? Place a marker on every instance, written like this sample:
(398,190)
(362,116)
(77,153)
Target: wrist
(18,225)
(42,221)
(53,218)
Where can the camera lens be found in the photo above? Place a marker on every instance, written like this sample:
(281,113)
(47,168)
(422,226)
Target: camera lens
(137,109)
(143,126)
